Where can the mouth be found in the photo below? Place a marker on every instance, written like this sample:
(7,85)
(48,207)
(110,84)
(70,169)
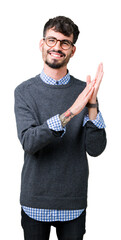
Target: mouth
(57,55)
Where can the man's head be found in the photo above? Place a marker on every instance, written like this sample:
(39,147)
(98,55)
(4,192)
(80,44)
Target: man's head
(57,46)
(63,25)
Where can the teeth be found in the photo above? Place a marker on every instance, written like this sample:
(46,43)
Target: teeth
(56,55)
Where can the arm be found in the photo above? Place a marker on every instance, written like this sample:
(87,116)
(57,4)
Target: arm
(31,134)
(95,137)
(88,95)
(55,125)
(78,105)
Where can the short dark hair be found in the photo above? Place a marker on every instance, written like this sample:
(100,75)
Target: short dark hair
(63,25)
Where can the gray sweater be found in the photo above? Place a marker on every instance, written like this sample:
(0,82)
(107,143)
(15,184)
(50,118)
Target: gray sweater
(55,170)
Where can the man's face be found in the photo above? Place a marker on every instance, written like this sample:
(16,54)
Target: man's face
(56,57)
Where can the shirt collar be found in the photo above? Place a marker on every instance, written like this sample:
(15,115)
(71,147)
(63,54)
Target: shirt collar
(45,78)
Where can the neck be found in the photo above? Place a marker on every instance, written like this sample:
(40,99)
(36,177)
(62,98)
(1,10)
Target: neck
(55,74)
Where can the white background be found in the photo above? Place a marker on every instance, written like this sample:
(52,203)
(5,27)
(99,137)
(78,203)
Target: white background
(99,41)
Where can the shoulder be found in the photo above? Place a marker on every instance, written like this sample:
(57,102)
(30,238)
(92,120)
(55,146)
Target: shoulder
(79,83)
(22,87)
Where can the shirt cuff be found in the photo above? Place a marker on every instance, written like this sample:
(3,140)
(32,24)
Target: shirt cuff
(98,122)
(54,123)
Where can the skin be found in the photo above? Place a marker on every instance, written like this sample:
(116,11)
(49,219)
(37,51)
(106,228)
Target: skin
(61,72)
(98,79)
(51,55)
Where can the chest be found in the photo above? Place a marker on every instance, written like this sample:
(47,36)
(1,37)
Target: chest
(47,102)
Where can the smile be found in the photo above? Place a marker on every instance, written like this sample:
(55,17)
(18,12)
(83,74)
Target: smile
(56,55)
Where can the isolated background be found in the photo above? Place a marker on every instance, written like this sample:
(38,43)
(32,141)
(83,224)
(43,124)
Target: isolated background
(99,41)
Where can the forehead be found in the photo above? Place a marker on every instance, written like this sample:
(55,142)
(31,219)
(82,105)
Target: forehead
(58,35)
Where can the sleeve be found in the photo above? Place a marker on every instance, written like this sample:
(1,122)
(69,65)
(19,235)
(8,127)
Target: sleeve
(31,134)
(95,135)
(54,123)
(98,122)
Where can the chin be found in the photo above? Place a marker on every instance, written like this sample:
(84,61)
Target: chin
(55,65)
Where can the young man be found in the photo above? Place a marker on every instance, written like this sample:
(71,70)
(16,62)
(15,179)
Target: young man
(58,122)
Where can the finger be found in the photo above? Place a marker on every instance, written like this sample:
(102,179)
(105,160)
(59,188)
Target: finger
(88,88)
(100,69)
(99,79)
(88,80)
(89,94)
(98,82)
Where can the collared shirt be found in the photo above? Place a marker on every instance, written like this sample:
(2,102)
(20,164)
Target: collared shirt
(49,80)
(54,123)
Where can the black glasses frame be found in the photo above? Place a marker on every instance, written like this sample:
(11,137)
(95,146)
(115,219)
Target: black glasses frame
(61,42)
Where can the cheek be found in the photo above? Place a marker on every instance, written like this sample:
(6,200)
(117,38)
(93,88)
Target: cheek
(70,55)
(44,53)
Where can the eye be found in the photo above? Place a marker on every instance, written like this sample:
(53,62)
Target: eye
(66,43)
(51,40)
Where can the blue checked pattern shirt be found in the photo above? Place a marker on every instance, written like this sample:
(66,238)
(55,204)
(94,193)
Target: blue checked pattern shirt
(54,123)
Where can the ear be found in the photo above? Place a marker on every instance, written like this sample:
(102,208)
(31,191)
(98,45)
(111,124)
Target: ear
(41,44)
(73,51)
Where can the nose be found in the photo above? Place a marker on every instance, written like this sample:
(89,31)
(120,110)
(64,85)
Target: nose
(57,46)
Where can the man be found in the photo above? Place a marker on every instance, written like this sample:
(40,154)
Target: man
(58,122)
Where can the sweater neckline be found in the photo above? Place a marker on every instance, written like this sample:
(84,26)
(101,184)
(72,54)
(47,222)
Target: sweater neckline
(54,86)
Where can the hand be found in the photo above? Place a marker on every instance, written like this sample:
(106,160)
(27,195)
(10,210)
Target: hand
(83,98)
(98,79)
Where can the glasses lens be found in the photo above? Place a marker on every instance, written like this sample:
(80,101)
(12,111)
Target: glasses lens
(50,42)
(65,44)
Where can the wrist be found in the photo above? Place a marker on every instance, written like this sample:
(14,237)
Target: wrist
(66,117)
(93,101)
(92,113)
(93,104)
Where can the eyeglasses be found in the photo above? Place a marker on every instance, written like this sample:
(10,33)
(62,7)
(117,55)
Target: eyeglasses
(52,41)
